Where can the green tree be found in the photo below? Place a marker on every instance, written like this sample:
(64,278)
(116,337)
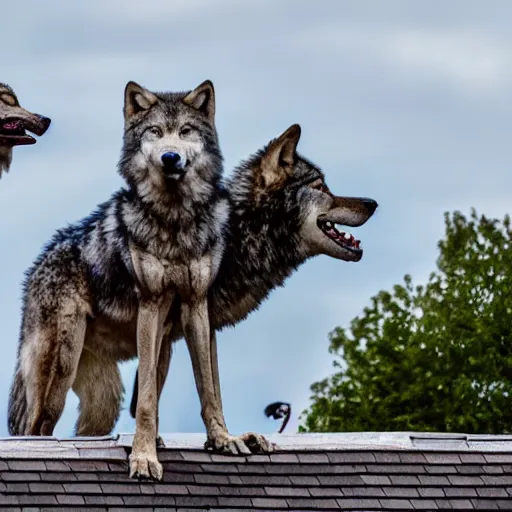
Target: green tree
(436,357)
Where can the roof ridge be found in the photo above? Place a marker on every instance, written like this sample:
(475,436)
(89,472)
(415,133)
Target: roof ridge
(295,443)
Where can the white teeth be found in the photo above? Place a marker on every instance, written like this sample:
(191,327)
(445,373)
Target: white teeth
(333,229)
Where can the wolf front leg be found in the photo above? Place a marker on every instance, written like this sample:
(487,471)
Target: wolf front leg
(196,326)
(164,362)
(255,442)
(143,459)
(215,366)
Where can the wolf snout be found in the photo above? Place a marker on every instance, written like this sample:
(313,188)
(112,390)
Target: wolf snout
(45,121)
(370,205)
(173,163)
(171,158)
(42,125)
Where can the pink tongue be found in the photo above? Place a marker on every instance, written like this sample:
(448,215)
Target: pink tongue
(11,126)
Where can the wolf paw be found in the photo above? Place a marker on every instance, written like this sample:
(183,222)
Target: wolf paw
(257,443)
(145,466)
(226,443)
(238,445)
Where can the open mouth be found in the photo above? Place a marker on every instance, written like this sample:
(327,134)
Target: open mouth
(175,171)
(342,238)
(12,129)
(12,132)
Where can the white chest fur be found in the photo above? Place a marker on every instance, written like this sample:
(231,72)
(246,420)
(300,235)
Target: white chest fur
(155,275)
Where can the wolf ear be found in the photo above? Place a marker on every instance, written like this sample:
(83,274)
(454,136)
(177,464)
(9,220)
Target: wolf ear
(137,99)
(280,155)
(202,98)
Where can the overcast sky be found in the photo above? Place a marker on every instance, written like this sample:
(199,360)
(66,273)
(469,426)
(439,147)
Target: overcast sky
(405,102)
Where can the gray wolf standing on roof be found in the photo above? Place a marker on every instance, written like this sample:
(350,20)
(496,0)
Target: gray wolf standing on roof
(14,121)
(104,289)
(282,213)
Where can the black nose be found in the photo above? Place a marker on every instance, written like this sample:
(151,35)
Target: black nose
(370,205)
(45,121)
(171,159)
(40,124)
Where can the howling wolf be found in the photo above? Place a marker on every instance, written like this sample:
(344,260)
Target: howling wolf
(104,289)
(14,120)
(282,213)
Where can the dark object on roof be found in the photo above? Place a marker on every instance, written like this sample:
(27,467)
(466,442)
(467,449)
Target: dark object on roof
(278,410)
(357,471)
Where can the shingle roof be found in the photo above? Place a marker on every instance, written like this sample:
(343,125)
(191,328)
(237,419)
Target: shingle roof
(357,471)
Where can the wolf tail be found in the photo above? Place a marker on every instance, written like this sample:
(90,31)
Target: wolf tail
(17,415)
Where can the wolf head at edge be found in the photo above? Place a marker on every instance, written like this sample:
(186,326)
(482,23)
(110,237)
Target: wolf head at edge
(14,120)
(170,138)
(284,184)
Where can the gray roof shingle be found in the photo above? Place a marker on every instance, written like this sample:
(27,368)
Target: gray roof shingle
(350,472)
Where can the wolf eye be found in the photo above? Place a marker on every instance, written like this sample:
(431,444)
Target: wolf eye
(319,185)
(9,100)
(154,130)
(185,130)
